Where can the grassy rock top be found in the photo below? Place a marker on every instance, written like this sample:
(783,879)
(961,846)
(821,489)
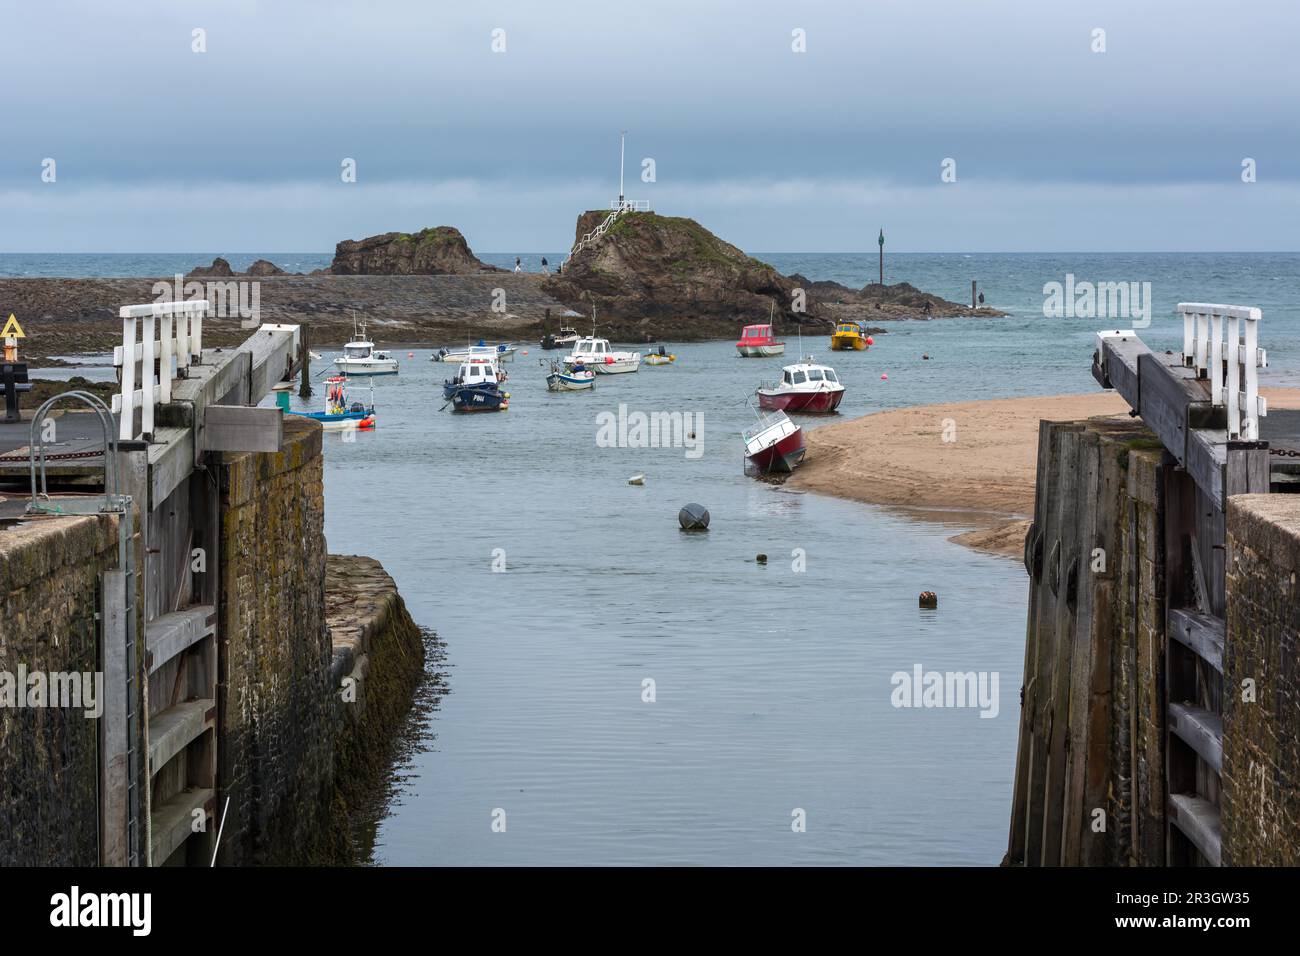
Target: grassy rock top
(674,271)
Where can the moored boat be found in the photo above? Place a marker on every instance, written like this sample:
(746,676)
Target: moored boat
(339,414)
(477,387)
(849,336)
(757,341)
(563,378)
(775,444)
(597,355)
(360,357)
(659,356)
(563,339)
(804,387)
(501,353)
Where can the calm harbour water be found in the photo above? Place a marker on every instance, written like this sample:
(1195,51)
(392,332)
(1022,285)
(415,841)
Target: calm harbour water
(772,685)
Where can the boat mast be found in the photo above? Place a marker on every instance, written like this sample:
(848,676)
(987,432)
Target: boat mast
(622,136)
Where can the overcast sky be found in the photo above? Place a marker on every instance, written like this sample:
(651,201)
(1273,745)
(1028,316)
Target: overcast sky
(1056,147)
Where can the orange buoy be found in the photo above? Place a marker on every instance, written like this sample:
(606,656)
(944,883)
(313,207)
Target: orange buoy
(870,340)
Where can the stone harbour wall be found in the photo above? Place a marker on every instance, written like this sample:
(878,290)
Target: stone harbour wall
(49,783)
(274,701)
(318,663)
(1261,720)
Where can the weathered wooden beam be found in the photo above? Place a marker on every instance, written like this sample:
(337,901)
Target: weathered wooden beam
(242,428)
(172,822)
(176,728)
(169,634)
(1203,634)
(1201,729)
(1198,820)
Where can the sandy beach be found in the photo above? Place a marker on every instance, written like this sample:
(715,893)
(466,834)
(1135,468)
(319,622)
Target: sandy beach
(966,456)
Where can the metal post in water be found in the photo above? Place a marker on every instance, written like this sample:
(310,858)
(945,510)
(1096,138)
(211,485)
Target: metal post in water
(881,240)
(304,388)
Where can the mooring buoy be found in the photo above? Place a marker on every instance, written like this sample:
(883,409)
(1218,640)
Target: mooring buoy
(693,517)
(929,599)
(761,558)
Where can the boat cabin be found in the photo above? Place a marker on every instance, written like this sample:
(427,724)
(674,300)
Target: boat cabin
(757,335)
(358,350)
(794,376)
(477,371)
(598,347)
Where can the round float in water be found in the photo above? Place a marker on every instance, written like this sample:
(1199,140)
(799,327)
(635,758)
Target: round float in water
(693,517)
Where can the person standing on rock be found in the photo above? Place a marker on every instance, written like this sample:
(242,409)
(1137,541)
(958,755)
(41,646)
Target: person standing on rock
(518,267)
(544,268)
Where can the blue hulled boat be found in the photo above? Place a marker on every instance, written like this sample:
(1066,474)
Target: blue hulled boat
(477,387)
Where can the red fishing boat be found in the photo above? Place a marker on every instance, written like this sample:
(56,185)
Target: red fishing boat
(757,341)
(774,444)
(804,387)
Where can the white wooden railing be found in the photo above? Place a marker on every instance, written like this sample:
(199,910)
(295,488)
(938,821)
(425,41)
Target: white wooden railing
(618,207)
(1203,350)
(179,327)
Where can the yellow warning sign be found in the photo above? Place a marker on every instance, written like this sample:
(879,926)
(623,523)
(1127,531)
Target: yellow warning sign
(12,329)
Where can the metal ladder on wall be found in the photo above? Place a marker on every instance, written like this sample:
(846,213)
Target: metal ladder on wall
(117,618)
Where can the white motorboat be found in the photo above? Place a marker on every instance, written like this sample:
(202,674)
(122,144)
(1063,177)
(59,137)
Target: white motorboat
(597,355)
(360,357)
(500,353)
(774,444)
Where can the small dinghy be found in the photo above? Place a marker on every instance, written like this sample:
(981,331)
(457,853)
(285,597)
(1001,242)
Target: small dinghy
(575,378)
(660,357)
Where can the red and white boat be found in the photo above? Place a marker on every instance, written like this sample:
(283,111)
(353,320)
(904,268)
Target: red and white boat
(757,341)
(804,387)
(774,444)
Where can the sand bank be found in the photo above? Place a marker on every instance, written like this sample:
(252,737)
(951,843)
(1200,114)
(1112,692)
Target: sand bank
(901,458)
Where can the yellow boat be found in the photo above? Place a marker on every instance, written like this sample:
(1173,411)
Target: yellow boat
(848,336)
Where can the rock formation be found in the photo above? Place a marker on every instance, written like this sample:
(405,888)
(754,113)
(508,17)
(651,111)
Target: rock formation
(900,300)
(264,268)
(438,251)
(219,268)
(666,271)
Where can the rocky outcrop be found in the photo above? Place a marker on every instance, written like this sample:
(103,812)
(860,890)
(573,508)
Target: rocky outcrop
(438,251)
(902,300)
(220,267)
(264,268)
(672,275)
